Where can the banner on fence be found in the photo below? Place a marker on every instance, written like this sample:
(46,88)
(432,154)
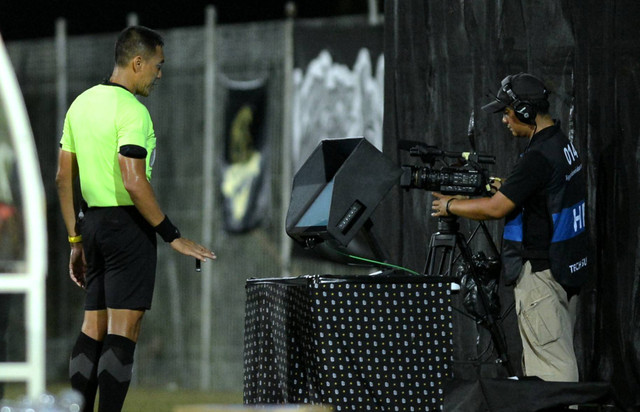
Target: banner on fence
(245,186)
(338,85)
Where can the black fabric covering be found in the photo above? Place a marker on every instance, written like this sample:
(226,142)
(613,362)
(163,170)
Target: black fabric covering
(443,61)
(357,343)
(503,395)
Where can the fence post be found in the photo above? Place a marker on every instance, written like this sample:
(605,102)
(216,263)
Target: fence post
(287,135)
(61,73)
(208,191)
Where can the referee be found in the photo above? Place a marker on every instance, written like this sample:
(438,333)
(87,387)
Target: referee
(109,142)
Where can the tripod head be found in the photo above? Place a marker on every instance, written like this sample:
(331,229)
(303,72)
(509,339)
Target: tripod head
(448,224)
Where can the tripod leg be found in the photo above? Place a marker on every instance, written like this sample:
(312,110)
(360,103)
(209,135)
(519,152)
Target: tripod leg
(494,329)
(440,254)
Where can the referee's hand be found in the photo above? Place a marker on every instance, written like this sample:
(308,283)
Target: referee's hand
(190,248)
(77,265)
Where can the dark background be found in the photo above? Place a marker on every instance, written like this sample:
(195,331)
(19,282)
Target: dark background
(21,20)
(443,60)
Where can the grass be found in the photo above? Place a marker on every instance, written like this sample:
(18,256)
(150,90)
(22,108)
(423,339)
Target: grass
(146,399)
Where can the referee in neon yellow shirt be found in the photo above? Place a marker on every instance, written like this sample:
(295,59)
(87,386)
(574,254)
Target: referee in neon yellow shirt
(109,142)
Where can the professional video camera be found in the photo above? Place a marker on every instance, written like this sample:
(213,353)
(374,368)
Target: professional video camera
(477,273)
(464,176)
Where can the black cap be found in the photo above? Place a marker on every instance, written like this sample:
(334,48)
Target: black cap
(521,86)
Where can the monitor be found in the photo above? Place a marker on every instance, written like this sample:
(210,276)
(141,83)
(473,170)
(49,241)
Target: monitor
(337,189)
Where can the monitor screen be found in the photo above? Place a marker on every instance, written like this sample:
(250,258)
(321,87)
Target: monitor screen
(318,213)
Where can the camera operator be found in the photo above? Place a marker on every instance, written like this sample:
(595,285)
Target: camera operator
(545,240)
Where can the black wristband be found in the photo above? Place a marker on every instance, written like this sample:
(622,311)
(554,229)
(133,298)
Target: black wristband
(167,231)
(447,207)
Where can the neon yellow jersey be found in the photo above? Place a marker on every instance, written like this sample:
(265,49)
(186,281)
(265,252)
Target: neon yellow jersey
(98,123)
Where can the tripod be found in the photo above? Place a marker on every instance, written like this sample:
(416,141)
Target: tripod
(440,261)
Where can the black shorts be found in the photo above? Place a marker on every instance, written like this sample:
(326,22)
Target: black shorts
(120,248)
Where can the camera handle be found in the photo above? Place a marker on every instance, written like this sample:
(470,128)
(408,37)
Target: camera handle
(440,260)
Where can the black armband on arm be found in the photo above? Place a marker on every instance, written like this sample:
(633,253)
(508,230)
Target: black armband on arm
(167,231)
(134,151)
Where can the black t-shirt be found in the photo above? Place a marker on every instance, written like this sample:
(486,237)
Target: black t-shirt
(526,187)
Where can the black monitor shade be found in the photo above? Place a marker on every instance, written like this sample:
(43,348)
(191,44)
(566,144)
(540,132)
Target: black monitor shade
(337,189)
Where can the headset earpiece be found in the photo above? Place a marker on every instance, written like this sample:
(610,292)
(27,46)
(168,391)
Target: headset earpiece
(524,110)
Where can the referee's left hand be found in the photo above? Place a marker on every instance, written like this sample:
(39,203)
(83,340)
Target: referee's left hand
(190,248)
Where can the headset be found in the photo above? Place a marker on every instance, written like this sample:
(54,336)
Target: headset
(524,110)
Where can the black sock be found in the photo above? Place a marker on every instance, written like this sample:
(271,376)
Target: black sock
(114,372)
(83,367)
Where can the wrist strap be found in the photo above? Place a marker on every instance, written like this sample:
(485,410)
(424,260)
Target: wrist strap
(167,231)
(447,207)
(75,239)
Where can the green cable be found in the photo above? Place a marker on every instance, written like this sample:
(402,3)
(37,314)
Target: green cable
(377,262)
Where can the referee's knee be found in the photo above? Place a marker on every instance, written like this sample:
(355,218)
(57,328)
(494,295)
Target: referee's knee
(125,322)
(94,324)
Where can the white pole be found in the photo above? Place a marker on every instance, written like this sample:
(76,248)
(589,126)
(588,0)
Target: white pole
(132,19)
(287,136)
(33,203)
(61,75)
(374,17)
(208,193)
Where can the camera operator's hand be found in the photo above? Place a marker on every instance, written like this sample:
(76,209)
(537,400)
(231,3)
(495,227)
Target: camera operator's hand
(441,204)
(495,183)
